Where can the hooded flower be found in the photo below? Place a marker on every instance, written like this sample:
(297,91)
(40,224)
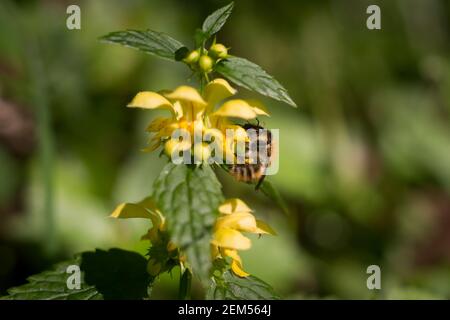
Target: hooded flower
(186,107)
(236,217)
(164,253)
(195,113)
(143,209)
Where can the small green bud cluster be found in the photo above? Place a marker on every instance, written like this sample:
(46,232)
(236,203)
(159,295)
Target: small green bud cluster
(204,59)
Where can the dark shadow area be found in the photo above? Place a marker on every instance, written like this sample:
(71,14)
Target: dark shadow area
(106,269)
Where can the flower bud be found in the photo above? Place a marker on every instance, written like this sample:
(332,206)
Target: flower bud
(192,57)
(205,63)
(218,51)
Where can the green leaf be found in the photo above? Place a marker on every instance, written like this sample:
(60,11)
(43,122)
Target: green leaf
(215,21)
(181,53)
(152,42)
(113,274)
(189,198)
(185,285)
(51,285)
(272,193)
(231,287)
(252,77)
(117,274)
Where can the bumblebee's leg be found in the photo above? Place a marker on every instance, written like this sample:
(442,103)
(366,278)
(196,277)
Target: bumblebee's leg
(260,181)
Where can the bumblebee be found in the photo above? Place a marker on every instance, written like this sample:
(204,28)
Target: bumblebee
(254,168)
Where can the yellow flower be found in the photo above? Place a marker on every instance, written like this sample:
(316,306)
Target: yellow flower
(146,209)
(191,111)
(236,217)
(166,253)
(186,107)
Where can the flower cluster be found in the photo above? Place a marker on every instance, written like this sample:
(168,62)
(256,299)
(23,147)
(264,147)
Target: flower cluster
(235,217)
(203,117)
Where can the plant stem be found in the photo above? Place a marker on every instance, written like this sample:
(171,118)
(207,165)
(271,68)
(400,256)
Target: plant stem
(185,284)
(202,83)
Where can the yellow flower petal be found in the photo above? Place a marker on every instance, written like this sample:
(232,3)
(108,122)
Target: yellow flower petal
(178,110)
(258,107)
(234,205)
(202,152)
(158,220)
(174,145)
(169,129)
(148,203)
(218,90)
(240,221)
(233,254)
(129,210)
(150,100)
(260,112)
(213,134)
(186,93)
(264,228)
(155,142)
(134,210)
(237,109)
(236,264)
(215,253)
(158,123)
(232,239)
(236,267)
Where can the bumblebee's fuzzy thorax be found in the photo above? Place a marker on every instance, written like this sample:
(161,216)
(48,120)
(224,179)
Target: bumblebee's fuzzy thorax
(254,172)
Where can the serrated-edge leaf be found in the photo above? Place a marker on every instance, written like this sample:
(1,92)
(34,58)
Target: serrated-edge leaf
(251,76)
(52,285)
(215,21)
(232,287)
(189,198)
(152,42)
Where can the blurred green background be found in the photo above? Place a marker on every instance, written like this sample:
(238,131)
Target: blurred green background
(365,159)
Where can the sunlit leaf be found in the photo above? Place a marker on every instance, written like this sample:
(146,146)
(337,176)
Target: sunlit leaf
(228,286)
(215,21)
(189,198)
(252,77)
